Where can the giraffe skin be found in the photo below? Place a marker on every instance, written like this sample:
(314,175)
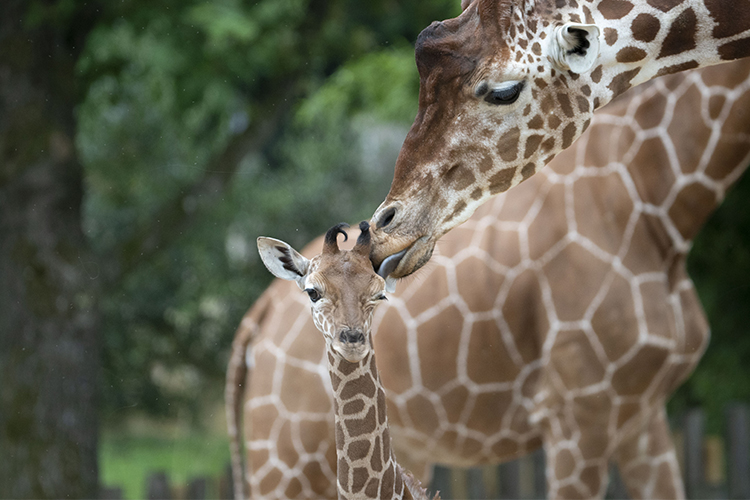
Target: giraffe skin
(509,84)
(344,291)
(561,313)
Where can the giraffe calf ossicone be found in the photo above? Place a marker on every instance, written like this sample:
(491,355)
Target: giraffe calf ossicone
(344,291)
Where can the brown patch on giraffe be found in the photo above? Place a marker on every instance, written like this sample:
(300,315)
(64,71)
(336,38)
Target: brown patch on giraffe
(630,55)
(549,226)
(536,49)
(457,210)
(525,314)
(735,50)
(505,448)
(262,419)
(565,464)
(645,27)
(487,406)
(634,377)
(256,458)
(458,178)
(346,368)
(453,402)
(729,20)
(316,478)
(471,448)
(262,381)
(565,104)
(359,477)
(602,210)
(653,184)
(547,105)
(501,181)
(660,320)
(422,413)
(289,455)
(676,68)
(650,114)
(575,360)
(553,121)
(293,489)
(271,480)
(614,9)
(353,407)
(583,104)
(626,412)
(614,321)
(357,450)
(519,202)
(394,368)
(478,284)
(477,194)
(664,5)
(694,203)
(569,134)
(610,36)
(681,35)
(386,484)
(650,246)
(574,264)
(507,146)
(376,460)
(485,348)
(381,407)
(532,144)
(359,426)
(437,346)
(621,82)
(596,75)
(360,385)
(536,122)
(372,488)
(310,432)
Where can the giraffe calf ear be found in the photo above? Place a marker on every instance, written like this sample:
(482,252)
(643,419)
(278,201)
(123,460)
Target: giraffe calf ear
(282,260)
(575,47)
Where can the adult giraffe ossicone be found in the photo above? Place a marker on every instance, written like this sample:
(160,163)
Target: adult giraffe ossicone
(508,84)
(344,292)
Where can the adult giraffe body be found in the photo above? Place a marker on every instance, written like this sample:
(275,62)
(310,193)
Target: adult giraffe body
(559,313)
(509,84)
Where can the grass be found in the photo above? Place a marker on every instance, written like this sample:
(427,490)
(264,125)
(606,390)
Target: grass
(128,457)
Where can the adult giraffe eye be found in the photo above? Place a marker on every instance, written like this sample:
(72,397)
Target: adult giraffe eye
(313,294)
(504,95)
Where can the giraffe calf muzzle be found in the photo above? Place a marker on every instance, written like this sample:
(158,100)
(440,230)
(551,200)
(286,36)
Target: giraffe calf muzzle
(352,337)
(352,345)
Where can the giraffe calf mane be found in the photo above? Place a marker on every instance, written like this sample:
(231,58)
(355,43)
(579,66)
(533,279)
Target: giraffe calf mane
(414,486)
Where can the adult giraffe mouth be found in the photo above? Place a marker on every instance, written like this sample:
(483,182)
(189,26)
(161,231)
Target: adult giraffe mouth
(405,262)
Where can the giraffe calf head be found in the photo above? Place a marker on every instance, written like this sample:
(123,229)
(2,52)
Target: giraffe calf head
(342,286)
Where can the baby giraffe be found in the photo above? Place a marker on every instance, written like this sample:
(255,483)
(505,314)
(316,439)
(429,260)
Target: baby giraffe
(344,291)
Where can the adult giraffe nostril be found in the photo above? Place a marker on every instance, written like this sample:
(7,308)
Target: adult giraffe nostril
(387,218)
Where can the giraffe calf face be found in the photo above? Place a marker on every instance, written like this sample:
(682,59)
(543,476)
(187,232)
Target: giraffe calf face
(342,286)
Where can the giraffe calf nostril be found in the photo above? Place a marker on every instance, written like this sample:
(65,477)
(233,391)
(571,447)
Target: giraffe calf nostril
(352,337)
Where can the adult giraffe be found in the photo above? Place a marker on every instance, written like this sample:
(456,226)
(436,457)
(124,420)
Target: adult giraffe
(561,312)
(508,84)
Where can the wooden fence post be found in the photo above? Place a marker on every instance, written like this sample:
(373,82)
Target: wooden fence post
(197,489)
(157,487)
(540,473)
(693,438)
(475,489)
(441,481)
(508,478)
(737,449)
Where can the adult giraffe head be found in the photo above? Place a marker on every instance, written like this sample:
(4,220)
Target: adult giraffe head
(342,285)
(508,84)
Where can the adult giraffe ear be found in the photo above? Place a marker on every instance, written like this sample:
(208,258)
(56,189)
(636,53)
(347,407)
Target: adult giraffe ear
(575,47)
(282,260)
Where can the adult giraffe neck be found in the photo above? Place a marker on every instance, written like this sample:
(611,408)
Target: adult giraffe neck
(366,466)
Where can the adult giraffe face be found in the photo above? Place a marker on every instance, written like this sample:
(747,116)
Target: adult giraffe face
(504,87)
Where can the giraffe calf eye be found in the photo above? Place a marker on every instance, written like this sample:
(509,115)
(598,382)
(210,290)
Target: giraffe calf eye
(381,296)
(313,294)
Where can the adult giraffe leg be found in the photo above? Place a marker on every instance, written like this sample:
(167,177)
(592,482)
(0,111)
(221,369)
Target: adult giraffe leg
(577,449)
(648,462)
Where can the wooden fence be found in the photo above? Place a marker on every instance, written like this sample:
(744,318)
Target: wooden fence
(713,467)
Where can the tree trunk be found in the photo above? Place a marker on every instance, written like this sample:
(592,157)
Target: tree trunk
(49,357)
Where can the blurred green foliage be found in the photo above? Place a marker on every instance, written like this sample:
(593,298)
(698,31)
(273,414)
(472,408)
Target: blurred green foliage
(206,124)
